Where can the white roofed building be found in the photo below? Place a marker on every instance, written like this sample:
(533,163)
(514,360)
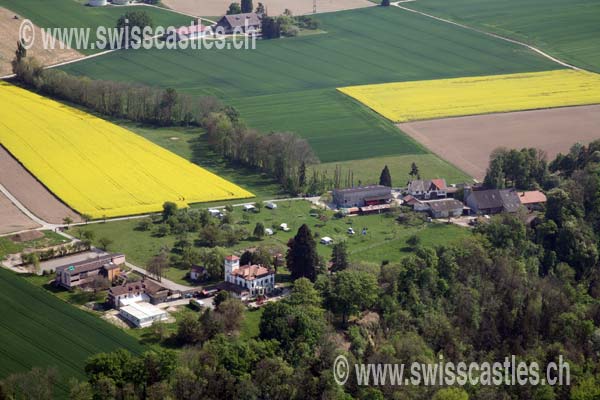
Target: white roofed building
(142,315)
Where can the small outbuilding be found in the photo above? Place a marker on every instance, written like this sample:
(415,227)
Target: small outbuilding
(142,315)
(97,3)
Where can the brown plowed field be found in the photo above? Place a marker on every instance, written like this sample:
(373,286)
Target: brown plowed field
(31,193)
(468,141)
(11,218)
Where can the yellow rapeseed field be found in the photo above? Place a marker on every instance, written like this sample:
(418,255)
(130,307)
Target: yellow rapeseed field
(409,101)
(96,167)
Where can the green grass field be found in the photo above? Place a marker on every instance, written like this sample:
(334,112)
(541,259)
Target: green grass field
(7,246)
(38,329)
(568,30)
(75,14)
(289,84)
(386,239)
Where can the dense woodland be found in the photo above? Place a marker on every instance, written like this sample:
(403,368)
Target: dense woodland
(532,290)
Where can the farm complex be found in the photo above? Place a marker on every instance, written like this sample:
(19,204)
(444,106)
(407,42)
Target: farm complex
(225,199)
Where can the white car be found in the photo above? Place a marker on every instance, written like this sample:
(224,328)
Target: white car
(248,207)
(326,240)
(351,231)
(271,205)
(284,227)
(268,231)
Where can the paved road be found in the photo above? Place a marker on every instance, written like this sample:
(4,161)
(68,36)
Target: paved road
(164,281)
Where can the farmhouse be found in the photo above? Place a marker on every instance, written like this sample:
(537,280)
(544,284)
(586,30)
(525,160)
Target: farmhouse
(132,292)
(197,273)
(429,189)
(533,199)
(362,196)
(492,201)
(241,23)
(142,315)
(84,272)
(444,208)
(248,280)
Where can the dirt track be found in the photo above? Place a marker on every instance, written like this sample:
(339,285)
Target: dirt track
(468,141)
(9,36)
(32,194)
(205,8)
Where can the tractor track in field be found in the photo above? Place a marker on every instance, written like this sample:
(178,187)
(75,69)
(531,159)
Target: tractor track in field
(494,35)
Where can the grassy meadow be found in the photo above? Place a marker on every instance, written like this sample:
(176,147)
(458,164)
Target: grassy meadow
(385,240)
(40,330)
(289,84)
(568,30)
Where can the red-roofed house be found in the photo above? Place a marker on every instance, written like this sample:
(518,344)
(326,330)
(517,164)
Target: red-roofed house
(255,279)
(533,199)
(430,189)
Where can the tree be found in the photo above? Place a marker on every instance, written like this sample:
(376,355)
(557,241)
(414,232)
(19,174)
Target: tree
(67,221)
(157,265)
(33,260)
(451,394)
(385,178)
(131,20)
(80,390)
(220,297)
(104,243)
(189,330)
(20,54)
(385,3)
(260,8)
(86,218)
(339,257)
(351,292)
(413,241)
(302,255)
(231,312)
(169,209)
(247,6)
(259,230)
(36,384)
(271,29)
(302,175)
(414,171)
(234,8)
(304,294)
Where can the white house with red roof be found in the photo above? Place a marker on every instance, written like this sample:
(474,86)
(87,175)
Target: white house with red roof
(429,189)
(255,280)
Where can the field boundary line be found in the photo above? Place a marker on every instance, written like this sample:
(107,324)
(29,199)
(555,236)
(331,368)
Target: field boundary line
(494,35)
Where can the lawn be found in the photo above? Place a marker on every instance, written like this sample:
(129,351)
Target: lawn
(250,324)
(289,84)
(385,240)
(38,329)
(568,30)
(72,14)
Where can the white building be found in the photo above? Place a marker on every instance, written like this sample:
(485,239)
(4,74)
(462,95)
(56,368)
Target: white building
(142,315)
(255,280)
(121,2)
(97,3)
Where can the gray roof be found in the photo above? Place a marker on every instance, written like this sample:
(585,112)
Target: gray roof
(445,205)
(366,189)
(88,265)
(234,20)
(496,198)
(419,185)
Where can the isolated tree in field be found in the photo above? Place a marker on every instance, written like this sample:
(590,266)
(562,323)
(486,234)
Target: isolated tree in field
(385,3)
(260,8)
(132,19)
(385,178)
(86,218)
(339,257)
(247,6)
(414,171)
(234,8)
(302,255)
(259,230)
(157,265)
(413,241)
(20,54)
(169,209)
(104,243)
(67,221)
